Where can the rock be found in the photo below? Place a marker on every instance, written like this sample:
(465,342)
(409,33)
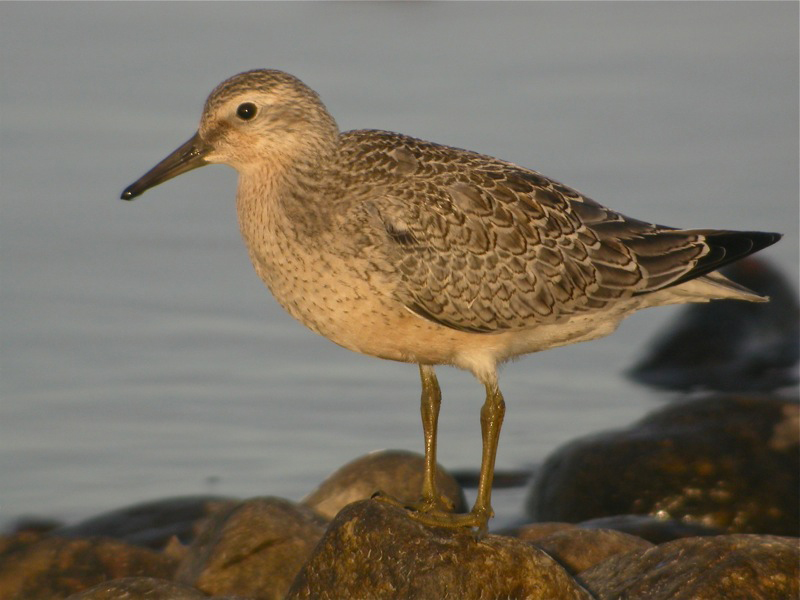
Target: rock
(503,478)
(151,524)
(577,548)
(730,346)
(15,543)
(375,550)
(726,462)
(752,567)
(396,473)
(254,549)
(530,532)
(54,568)
(34,524)
(652,529)
(139,588)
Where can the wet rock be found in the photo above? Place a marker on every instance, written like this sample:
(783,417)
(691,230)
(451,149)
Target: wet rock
(396,473)
(53,568)
(726,462)
(730,346)
(374,550)
(140,588)
(652,529)
(151,524)
(254,549)
(755,567)
(577,548)
(30,524)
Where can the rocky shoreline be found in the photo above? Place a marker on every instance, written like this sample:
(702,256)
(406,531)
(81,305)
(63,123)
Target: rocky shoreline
(700,499)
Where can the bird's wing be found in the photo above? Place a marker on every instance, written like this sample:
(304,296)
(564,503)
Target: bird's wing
(481,245)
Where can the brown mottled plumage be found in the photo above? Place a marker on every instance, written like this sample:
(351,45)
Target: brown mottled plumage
(412,251)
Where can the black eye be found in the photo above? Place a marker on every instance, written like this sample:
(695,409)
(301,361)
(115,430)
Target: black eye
(246,111)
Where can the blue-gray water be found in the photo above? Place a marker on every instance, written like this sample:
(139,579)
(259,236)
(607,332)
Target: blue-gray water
(142,357)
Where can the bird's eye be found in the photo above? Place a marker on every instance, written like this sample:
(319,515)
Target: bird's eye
(246,111)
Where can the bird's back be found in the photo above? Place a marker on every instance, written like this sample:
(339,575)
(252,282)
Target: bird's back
(482,245)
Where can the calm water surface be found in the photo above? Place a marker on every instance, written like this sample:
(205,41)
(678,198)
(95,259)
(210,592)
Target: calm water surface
(142,357)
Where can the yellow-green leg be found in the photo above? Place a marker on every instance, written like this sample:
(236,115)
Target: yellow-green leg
(492,414)
(430,403)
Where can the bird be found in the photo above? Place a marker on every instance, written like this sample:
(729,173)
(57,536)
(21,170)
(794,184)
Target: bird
(412,251)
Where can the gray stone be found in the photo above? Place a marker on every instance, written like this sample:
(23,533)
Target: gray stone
(151,524)
(730,346)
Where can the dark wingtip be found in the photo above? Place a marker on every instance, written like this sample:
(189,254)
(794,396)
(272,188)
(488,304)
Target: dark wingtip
(726,247)
(733,245)
(762,239)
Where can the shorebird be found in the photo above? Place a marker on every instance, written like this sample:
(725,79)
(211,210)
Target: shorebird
(417,252)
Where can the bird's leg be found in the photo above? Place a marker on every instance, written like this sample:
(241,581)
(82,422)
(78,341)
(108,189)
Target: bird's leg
(492,413)
(430,501)
(429,407)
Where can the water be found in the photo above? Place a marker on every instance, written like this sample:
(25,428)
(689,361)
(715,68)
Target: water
(142,357)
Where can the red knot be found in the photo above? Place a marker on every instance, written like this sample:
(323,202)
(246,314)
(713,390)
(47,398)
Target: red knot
(412,251)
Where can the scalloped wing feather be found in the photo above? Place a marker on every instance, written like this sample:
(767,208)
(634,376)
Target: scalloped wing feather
(482,245)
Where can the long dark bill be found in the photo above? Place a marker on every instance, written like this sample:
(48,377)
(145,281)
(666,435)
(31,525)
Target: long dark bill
(190,155)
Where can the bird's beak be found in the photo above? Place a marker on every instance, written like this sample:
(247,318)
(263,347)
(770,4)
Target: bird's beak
(190,155)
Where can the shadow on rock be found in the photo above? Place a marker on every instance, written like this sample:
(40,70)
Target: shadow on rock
(653,529)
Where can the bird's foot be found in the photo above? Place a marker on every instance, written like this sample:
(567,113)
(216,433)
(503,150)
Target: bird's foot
(437,512)
(478,519)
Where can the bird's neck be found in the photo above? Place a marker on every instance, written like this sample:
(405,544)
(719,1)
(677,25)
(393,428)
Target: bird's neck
(276,201)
